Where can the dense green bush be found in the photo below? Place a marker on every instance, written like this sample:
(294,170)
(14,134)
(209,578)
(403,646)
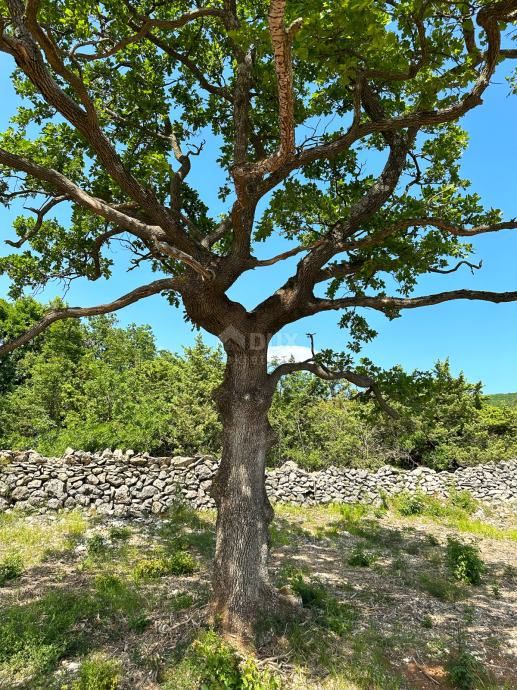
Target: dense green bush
(464,562)
(94,385)
(11,567)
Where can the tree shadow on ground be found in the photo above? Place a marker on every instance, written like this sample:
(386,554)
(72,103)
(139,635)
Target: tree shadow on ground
(405,617)
(362,627)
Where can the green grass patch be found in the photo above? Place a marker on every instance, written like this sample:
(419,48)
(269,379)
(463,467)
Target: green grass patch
(211,663)
(361,558)
(33,637)
(440,587)
(181,601)
(455,512)
(36,635)
(179,563)
(120,533)
(34,540)
(330,613)
(183,528)
(96,546)
(98,672)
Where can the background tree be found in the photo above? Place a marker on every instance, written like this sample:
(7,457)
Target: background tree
(94,385)
(114,95)
(15,319)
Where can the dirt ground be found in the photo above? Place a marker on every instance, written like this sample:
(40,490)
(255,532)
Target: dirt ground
(407,617)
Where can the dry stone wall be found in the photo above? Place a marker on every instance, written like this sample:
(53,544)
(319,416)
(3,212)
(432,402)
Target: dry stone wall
(121,484)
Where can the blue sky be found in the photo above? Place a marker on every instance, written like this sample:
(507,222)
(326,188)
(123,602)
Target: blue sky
(478,338)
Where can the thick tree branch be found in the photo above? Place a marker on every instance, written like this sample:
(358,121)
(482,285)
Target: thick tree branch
(289,302)
(66,187)
(241,112)
(488,19)
(377,238)
(54,315)
(220,231)
(285,255)
(150,233)
(281,38)
(25,49)
(395,304)
(364,208)
(324,373)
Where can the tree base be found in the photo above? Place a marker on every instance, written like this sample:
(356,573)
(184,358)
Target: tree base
(240,627)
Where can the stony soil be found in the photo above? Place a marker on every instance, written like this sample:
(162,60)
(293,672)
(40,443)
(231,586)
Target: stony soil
(410,631)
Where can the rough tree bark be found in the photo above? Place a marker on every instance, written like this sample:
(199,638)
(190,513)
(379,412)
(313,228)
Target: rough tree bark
(241,584)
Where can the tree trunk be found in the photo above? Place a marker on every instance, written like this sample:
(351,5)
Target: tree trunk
(241,585)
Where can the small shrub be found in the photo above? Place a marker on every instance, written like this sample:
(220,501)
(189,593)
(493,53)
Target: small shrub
(407,503)
(254,679)
(11,567)
(96,545)
(464,562)
(463,499)
(120,533)
(360,558)
(181,601)
(151,568)
(212,664)
(99,672)
(290,572)
(180,563)
(353,512)
(138,623)
(426,622)
(332,614)
(217,661)
(115,595)
(464,670)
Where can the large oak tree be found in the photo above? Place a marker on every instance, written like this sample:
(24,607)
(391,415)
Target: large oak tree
(299,97)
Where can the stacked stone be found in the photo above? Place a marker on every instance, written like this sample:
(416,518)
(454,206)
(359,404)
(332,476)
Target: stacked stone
(195,479)
(114,483)
(490,482)
(290,484)
(125,483)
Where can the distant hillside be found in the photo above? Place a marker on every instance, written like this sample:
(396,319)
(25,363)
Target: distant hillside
(502,399)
